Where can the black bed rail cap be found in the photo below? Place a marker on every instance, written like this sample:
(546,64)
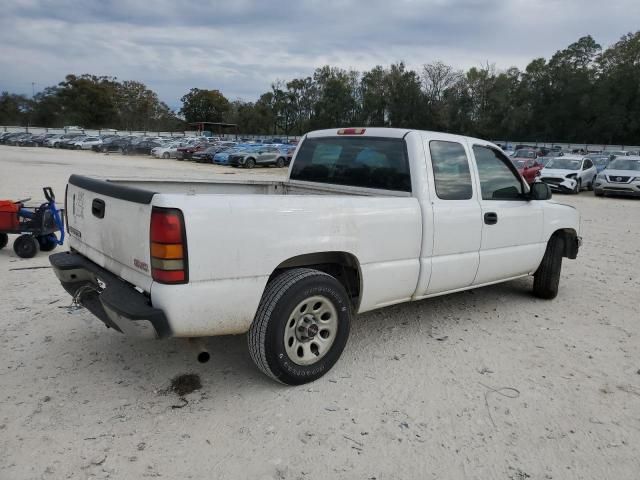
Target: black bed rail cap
(109,189)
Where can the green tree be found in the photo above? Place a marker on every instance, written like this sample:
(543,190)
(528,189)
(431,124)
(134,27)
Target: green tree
(88,100)
(14,109)
(204,106)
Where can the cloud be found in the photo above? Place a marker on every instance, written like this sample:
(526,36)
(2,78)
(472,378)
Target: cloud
(241,47)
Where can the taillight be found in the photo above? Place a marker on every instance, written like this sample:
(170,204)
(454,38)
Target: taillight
(169,263)
(352,131)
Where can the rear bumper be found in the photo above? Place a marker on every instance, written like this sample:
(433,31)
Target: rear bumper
(116,303)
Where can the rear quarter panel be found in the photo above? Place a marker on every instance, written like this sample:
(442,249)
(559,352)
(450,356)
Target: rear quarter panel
(235,242)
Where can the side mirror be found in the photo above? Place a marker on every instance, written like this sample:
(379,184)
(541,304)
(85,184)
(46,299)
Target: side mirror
(540,191)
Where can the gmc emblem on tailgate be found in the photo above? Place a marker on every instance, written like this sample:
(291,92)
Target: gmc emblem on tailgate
(144,266)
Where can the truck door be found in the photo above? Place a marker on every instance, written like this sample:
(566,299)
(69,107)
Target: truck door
(456,215)
(512,227)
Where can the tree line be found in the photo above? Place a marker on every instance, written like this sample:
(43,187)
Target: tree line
(583,93)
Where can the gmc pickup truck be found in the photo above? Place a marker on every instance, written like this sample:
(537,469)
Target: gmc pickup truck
(366,218)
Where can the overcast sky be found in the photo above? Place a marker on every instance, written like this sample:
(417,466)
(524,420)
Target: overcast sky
(241,46)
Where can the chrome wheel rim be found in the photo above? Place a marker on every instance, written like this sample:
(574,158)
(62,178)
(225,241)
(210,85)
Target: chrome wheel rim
(310,330)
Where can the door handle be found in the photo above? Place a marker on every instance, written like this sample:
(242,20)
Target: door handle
(97,208)
(491,218)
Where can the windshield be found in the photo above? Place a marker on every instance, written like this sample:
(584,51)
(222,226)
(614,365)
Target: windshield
(525,154)
(624,164)
(564,164)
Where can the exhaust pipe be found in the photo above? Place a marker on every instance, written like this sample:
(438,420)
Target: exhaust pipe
(202,355)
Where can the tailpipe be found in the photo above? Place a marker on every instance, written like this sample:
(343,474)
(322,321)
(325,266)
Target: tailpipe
(202,353)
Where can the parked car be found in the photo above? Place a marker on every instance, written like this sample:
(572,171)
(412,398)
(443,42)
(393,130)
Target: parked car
(261,155)
(53,140)
(222,158)
(168,150)
(28,140)
(206,155)
(186,152)
(569,173)
(118,144)
(142,148)
(16,139)
(600,161)
(294,260)
(617,153)
(529,169)
(66,141)
(87,143)
(40,140)
(525,154)
(621,177)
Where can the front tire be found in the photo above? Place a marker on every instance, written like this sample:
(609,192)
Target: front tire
(301,327)
(47,242)
(547,278)
(26,246)
(598,193)
(250,163)
(280,162)
(165,155)
(4,239)
(578,186)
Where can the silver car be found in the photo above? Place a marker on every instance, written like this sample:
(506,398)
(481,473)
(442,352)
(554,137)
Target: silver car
(258,155)
(621,177)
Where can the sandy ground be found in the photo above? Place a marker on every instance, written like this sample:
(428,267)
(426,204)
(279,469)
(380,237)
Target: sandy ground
(486,384)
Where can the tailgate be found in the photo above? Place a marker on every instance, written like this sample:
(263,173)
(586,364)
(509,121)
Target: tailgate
(109,224)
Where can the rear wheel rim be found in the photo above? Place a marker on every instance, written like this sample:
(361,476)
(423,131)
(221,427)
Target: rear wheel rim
(311,330)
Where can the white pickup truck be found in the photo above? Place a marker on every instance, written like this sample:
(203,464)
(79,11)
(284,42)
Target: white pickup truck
(367,218)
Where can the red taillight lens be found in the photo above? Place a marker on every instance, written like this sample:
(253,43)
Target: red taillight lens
(168,246)
(166,225)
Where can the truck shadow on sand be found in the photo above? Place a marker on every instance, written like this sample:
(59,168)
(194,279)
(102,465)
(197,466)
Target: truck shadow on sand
(151,365)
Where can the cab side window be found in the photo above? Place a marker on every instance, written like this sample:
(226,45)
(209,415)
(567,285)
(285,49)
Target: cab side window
(587,164)
(450,170)
(497,180)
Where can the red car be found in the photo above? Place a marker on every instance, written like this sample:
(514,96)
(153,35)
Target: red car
(185,153)
(528,168)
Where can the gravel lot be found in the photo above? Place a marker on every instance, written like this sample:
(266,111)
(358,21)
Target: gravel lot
(486,384)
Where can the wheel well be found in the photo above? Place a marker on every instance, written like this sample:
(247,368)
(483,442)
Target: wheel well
(570,242)
(343,266)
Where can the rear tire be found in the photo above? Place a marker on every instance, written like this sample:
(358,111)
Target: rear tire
(283,313)
(26,246)
(280,162)
(4,239)
(250,163)
(547,278)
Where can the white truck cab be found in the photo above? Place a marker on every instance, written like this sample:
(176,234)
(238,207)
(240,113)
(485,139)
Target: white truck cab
(368,217)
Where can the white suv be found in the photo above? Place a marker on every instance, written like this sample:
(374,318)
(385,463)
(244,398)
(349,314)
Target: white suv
(569,173)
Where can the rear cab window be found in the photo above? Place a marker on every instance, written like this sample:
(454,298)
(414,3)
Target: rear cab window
(366,162)
(451,173)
